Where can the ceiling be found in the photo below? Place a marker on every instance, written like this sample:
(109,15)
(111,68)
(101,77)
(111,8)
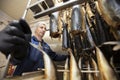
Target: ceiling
(16,8)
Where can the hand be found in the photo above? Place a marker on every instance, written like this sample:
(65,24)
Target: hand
(24,27)
(14,39)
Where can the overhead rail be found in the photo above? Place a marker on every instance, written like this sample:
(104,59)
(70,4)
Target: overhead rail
(46,7)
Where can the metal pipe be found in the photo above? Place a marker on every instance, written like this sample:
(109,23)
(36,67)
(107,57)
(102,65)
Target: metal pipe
(36,3)
(25,12)
(83,71)
(57,8)
(6,68)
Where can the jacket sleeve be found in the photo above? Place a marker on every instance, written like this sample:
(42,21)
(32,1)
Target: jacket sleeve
(54,56)
(58,57)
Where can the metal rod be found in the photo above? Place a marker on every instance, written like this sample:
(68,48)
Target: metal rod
(83,71)
(25,12)
(36,3)
(57,8)
(6,68)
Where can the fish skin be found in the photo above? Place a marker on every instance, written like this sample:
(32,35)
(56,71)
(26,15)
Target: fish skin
(95,67)
(116,43)
(76,19)
(100,28)
(106,70)
(80,62)
(89,11)
(65,37)
(66,74)
(54,32)
(89,75)
(50,69)
(110,10)
(88,33)
(75,73)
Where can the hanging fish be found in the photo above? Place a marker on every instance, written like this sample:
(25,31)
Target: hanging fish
(78,46)
(54,31)
(89,11)
(76,19)
(50,69)
(84,40)
(88,33)
(100,28)
(80,62)
(65,37)
(110,11)
(66,74)
(75,73)
(89,75)
(114,59)
(116,43)
(96,75)
(106,70)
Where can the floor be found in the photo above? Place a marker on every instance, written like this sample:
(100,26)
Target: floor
(2,62)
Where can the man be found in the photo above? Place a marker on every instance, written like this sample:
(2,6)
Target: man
(31,58)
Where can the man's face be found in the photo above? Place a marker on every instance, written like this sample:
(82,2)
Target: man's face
(41,29)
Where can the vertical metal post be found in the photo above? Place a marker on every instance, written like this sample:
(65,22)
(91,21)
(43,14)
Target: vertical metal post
(6,67)
(25,12)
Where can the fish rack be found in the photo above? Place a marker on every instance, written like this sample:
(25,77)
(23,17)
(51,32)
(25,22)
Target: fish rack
(45,7)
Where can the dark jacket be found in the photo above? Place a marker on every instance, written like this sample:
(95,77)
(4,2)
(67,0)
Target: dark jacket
(34,59)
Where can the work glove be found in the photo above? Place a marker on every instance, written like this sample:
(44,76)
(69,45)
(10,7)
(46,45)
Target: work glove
(24,27)
(14,39)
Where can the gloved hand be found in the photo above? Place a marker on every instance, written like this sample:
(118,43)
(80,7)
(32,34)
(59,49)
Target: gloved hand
(24,27)
(14,39)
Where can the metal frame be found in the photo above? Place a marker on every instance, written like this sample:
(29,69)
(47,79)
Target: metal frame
(57,8)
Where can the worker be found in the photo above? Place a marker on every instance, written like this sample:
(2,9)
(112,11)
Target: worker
(27,57)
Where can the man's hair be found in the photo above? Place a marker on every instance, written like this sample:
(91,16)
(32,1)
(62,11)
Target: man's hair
(40,23)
